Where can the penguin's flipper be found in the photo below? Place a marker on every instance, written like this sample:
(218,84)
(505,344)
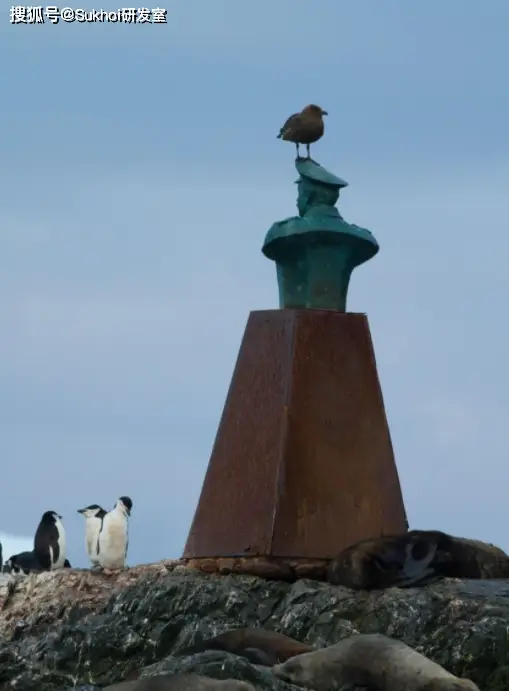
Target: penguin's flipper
(44,559)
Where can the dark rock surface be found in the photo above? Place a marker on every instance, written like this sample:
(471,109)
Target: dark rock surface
(80,630)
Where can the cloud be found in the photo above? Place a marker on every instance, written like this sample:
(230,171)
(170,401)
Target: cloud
(14,544)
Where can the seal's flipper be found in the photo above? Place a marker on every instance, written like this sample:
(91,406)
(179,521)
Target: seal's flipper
(423,578)
(389,558)
(419,555)
(256,657)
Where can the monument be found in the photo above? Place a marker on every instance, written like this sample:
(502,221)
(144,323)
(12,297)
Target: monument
(302,465)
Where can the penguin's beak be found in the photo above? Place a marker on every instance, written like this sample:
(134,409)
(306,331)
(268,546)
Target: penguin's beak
(81,511)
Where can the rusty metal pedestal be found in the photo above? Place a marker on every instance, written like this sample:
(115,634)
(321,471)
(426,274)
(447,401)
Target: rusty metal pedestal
(302,464)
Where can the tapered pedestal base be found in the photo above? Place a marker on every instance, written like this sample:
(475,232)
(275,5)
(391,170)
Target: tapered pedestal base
(302,465)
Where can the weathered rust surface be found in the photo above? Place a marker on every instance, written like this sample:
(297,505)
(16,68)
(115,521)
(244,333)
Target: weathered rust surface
(273,568)
(302,465)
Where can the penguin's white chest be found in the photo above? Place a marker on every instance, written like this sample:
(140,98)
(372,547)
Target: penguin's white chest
(113,541)
(92,528)
(62,544)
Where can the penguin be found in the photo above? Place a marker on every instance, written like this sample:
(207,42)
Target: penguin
(113,536)
(1,559)
(24,562)
(93,515)
(50,541)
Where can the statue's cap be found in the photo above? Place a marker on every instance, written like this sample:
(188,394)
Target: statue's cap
(313,171)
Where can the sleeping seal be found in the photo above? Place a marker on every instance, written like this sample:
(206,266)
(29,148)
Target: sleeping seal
(259,646)
(415,558)
(370,660)
(466,558)
(181,682)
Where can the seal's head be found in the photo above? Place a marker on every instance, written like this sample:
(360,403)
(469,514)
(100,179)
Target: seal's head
(294,672)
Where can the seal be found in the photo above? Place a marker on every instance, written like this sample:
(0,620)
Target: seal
(466,558)
(50,541)
(181,682)
(370,660)
(93,515)
(113,539)
(415,558)
(259,646)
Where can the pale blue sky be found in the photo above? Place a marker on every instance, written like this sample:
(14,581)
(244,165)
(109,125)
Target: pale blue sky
(139,173)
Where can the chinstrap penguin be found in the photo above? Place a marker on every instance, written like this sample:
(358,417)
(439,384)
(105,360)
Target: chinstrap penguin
(24,562)
(50,541)
(114,536)
(93,515)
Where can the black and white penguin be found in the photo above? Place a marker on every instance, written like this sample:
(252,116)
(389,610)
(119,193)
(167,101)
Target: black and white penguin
(24,562)
(114,536)
(50,541)
(93,515)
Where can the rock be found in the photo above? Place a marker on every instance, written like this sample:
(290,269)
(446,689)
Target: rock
(219,665)
(80,630)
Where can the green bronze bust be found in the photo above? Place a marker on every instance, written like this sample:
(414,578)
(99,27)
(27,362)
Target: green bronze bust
(316,251)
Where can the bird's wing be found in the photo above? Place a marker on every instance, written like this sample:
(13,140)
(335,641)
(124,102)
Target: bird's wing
(287,127)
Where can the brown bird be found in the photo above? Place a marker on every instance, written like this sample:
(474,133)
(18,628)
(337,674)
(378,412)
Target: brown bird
(305,127)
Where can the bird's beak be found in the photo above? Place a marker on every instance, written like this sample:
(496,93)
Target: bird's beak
(81,510)
(324,112)
(59,516)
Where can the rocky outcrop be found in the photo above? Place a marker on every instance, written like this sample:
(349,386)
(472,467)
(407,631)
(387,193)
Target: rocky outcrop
(81,630)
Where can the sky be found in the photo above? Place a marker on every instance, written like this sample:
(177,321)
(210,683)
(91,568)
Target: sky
(139,173)
(14,544)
